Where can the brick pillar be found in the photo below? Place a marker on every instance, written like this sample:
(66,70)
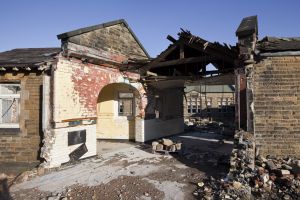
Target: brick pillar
(247,36)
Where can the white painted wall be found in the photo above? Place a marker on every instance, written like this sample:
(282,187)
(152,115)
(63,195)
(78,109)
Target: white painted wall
(60,150)
(157,128)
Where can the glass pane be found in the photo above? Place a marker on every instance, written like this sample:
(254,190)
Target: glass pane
(125,107)
(194,109)
(9,110)
(125,95)
(10,88)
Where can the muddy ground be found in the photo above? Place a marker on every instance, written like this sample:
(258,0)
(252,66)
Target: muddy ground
(133,172)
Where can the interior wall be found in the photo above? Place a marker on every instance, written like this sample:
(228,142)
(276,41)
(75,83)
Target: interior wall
(158,128)
(165,113)
(109,124)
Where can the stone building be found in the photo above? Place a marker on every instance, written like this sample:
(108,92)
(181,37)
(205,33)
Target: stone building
(22,90)
(268,85)
(214,102)
(86,96)
(101,84)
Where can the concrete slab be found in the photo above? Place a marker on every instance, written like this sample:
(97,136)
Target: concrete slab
(130,171)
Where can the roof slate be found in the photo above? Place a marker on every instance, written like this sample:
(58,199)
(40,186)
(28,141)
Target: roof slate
(26,56)
(275,44)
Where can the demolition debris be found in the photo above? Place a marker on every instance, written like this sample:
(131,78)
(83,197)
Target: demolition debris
(269,178)
(166,146)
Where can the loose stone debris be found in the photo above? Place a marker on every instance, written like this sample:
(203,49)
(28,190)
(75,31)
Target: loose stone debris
(205,125)
(266,178)
(166,146)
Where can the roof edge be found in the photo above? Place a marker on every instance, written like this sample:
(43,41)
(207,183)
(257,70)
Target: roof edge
(99,26)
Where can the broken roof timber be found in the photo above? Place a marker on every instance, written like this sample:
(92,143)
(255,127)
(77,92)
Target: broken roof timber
(221,55)
(183,61)
(215,48)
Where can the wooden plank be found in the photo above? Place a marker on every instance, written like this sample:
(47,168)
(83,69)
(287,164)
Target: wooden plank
(182,61)
(160,58)
(212,51)
(77,119)
(169,37)
(181,56)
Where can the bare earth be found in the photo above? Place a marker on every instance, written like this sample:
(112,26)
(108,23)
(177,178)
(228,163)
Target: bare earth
(131,172)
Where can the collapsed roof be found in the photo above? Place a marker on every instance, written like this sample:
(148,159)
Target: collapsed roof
(188,57)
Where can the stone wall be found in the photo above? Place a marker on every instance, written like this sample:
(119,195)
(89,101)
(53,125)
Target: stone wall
(277,105)
(113,42)
(23,145)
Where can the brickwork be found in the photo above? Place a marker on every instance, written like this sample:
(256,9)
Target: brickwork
(23,145)
(60,150)
(77,86)
(277,105)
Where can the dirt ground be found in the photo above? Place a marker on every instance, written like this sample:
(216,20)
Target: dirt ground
(132,172)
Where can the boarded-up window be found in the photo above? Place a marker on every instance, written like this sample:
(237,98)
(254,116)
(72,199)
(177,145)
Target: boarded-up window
(9,105)
(125,104)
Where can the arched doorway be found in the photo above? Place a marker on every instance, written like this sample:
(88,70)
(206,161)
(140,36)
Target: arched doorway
(117,107)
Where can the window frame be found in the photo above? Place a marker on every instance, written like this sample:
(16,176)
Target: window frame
(11,97)
(126,98)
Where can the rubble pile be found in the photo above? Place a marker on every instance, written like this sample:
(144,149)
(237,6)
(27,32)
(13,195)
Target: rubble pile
(166,145)
(205,125)
(260,178)
(276,178)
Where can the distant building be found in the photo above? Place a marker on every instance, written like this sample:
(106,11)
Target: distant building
(215,102)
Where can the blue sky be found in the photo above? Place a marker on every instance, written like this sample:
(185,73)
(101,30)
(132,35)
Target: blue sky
(36,23)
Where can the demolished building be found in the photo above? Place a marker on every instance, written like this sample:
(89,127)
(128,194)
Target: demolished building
(102,84)
(86,96)
(269,87)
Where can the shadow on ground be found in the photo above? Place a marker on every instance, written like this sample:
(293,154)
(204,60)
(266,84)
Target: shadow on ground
(4,190)
(202,151)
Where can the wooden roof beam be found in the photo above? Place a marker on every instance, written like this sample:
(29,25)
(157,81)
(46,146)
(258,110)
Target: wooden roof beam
(210,51)
(182,61)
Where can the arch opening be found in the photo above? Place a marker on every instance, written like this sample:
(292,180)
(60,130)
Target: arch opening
(118,105)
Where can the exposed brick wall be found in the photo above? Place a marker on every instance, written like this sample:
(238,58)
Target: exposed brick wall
(24,145)
(60,150)
(277,105)
(77,86)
